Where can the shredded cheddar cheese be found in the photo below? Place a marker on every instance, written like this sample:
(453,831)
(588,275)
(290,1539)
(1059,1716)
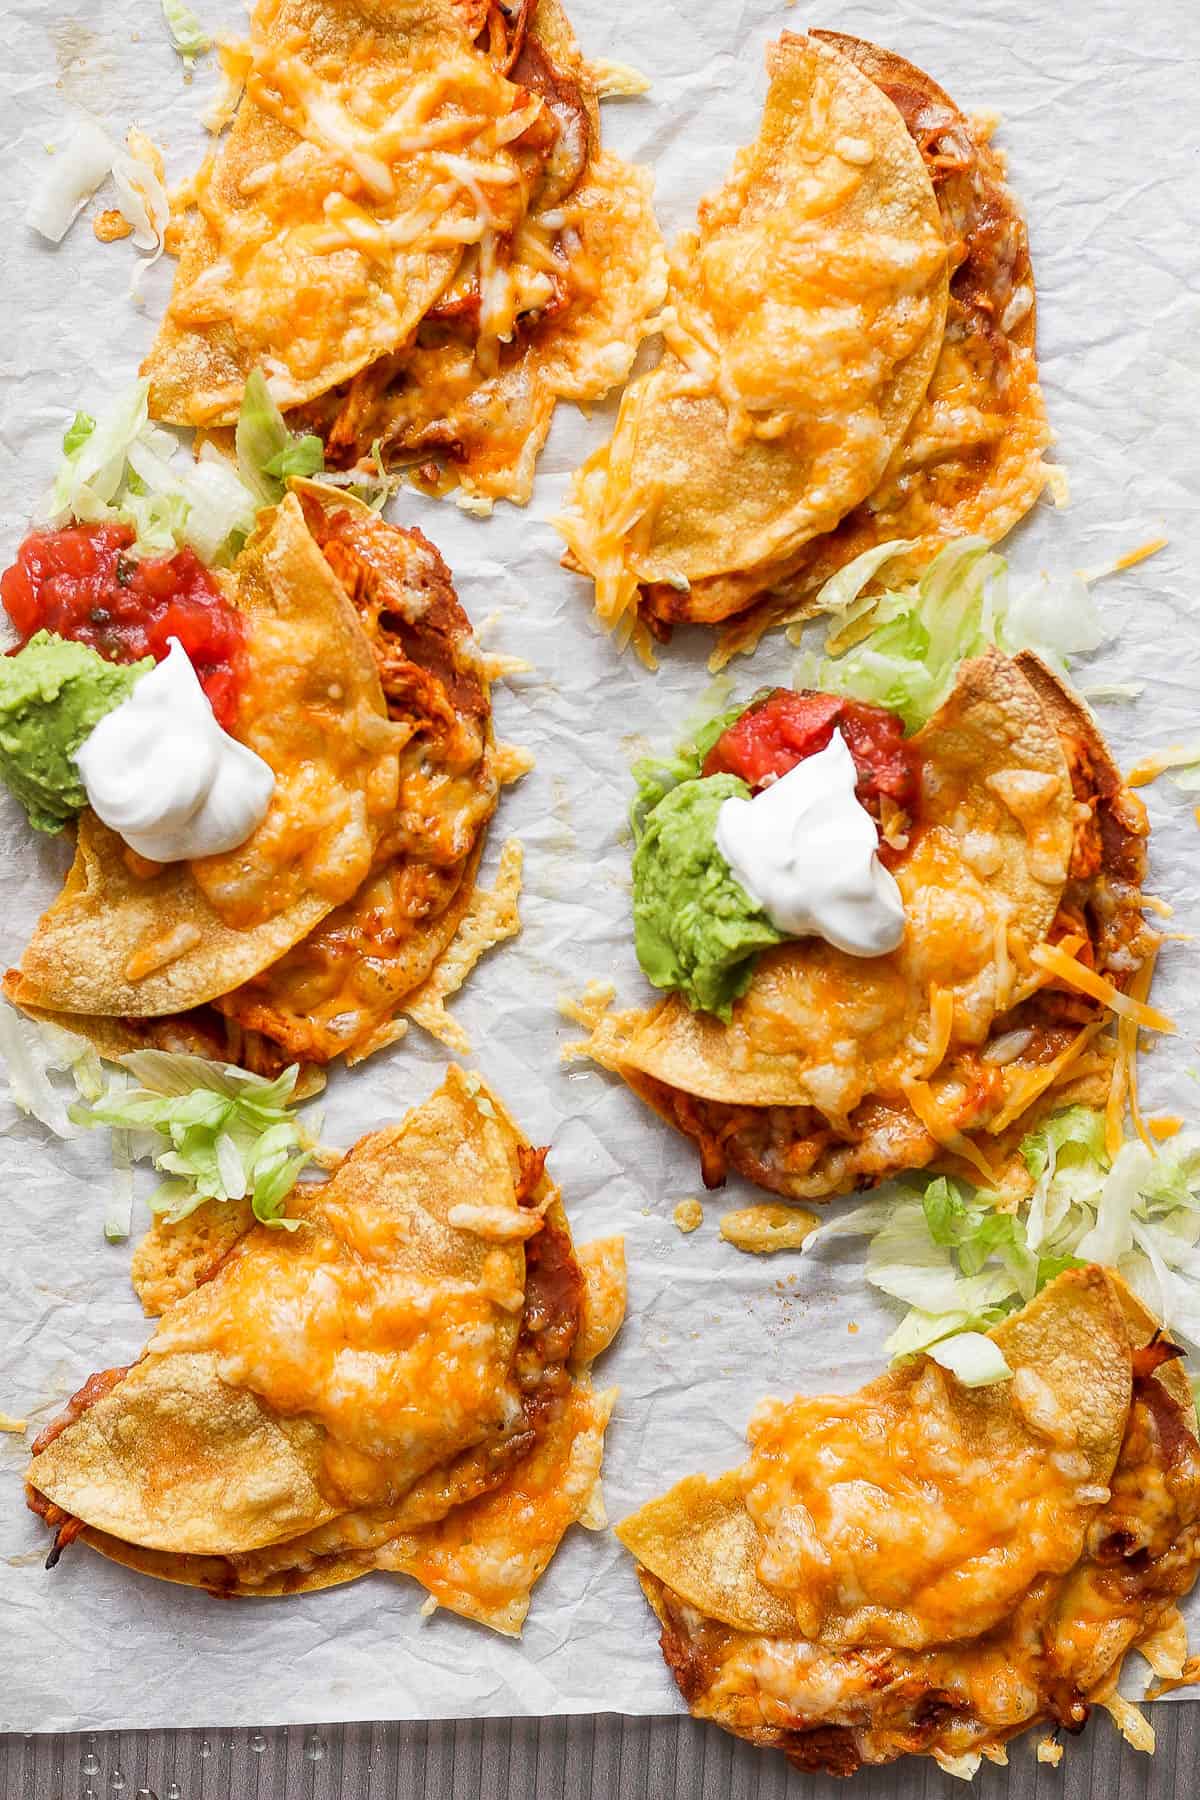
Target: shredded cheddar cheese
(941,1024)
(1129,560)
(1149,768)
(1062,966)
(921,1098)
(1024,1086)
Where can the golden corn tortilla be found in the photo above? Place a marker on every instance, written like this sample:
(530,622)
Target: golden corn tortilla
(313,708)
(480,1561)
(255,284)
(401,1449)
(971,461)
(808,314)
(702,1543)
(925,1568)
(991,853)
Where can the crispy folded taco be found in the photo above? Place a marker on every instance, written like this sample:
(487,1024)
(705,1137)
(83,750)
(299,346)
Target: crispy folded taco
(668,523)
(971,461)
(402,1382)
(412,228)
(923,1567)
(363,690)
(1020,869)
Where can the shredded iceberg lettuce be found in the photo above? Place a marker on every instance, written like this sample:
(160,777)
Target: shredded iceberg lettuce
(140,182)
(123,469)
(187,34)
(70,179)
(973,1358)
(35,1051)
(215,1131)
(960,1262)
(901,648)
(268,453)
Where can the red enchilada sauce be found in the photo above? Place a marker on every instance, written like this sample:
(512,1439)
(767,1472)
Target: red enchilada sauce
(81,582)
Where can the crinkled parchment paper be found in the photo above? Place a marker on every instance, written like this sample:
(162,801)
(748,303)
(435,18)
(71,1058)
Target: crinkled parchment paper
(1099,119)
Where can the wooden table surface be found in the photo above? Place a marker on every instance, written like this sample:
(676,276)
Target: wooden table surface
(586,1758)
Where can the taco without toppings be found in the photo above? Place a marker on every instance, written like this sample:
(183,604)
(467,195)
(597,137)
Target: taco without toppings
(1020,867)
(427,1409)
(364,691)
(413,229)
(669,519)
(971,461)
(927,1568)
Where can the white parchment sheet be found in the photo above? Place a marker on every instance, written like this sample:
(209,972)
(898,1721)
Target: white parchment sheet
(1100,121)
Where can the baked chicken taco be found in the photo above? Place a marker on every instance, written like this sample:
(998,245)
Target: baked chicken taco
(400,1382)
(849,358)
(412,228)
(283,772)
(933,1564)
(885,949)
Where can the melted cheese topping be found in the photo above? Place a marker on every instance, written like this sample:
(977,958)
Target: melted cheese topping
(1060,964)
(356,174)
(810,320)
(337,779)
(402,1353)
(484,1559)
(909,1515)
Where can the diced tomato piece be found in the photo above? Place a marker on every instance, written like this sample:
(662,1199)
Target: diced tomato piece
(773,735)
(80,582)
(784,727)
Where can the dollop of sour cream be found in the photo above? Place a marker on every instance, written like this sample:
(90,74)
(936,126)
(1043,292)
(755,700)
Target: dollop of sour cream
(159,770)
(806,852)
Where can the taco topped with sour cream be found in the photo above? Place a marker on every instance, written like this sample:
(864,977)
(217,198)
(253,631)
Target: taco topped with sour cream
(883,949)
(283,770)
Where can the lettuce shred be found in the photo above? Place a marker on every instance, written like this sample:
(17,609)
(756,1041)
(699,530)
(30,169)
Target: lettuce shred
(35,1052)
(905,643)
(215,1131)
(186,32)
(268,453)
(122,469)
(959,1263)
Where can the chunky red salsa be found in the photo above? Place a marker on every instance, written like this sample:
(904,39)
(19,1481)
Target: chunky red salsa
(780,730)
(81,582)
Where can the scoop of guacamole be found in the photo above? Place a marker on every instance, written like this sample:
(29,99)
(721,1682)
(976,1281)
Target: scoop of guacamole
(52,694)
(695,926)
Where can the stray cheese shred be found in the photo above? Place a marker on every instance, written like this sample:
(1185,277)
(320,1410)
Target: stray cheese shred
(941,1024)
(1123,1088)
(920,1097)
(1063,967)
